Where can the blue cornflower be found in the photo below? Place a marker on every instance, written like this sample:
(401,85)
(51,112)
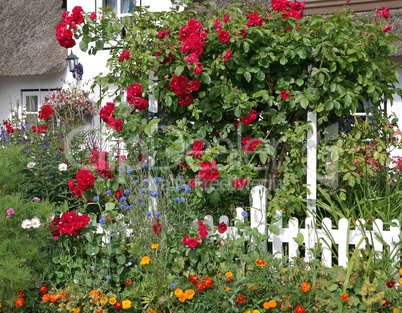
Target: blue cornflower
(122,199)
(130,207)
(157,214)
(130,171)
(180,177)
(154,193)
(176,199)
(172,285)
(121,168)
(143,191)
(135,181)
(145,165)
(109,192)
(244,214)
(182,200)
(184,186)
(188,190)
(149,214)
(102,220)
(146,181)
(122,206)
(130,197)
(92,268)
(51,246)
(126,191)
(179,187)
(108,277)
(96,198)
(139,200)
(158,179)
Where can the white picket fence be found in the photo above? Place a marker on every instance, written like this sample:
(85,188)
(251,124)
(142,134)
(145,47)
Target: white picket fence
(343,237)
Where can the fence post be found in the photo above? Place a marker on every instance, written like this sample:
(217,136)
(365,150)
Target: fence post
(152,113)
(312,163)
(258,211)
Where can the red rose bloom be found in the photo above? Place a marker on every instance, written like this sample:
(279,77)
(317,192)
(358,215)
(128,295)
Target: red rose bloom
(186,101)
(227,56)
(85,179)
(107,111)
(222,228)
(192,243)
(124,55)
(186,240)
(198,69)
(202,229)
(284,94)
(93,16)
(163,33)
(226,18)
(218,24)
(195,84)
(224,36)
(134,91)
(388,28)
(192,183)
(300,309)
(250,118)
(239,183)
(198,145)
(193,58)
(385,12)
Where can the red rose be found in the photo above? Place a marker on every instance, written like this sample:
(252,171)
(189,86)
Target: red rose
(192,183)
(226,18)
(186,101)
(118,194)
(198,69)
(239,183)
(198,145)
(134,90)
(179,85)
(107,111)
(218,24)
(227,56)
(197,49)
(124,55)
(93,16)
(195,84)
(186,240)
(118,125)
(222,228)
(45,112)
(163,33)
(224,36)
(192,243)
(250,118)
(284,94)
(193,58)
(77,16)
(388,28)
(385,12)
(85,179)
(213,175)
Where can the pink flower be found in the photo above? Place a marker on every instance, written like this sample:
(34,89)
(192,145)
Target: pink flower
(36,199)
(10,211)
(93,16)
(284,94)
(227,55)
(56,238)
(388,28)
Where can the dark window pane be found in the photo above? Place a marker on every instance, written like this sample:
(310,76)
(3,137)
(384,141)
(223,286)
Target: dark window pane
(127,6)
(111,4)
(31,103)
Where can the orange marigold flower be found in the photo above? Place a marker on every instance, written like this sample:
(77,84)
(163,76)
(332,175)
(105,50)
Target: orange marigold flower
(254,287)
(178,292)
(77,310)
(94,293)
(305,287)
(300,309)
(189,294)
(53,297)
(182,298)
(266,305)
(145,260)
(228,274)
(112,301)
(19,302)
(344,297)
(155,246)
(260,263)
(200,287)
(127,282)
(152,311)
(194,279)
(241,299)
(272,304)
(46,298)
(21,293)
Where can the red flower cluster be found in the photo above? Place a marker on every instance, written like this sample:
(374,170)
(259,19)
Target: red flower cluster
(191,242)
(124,55)
(226,18)
(247,119)
(100,162)
(206,283)
(180,86)
(289,9)
(254,19)
(284,94)
(166,60)
(9,128)
(218,24)
(45,112)
(250,144)
(157,227)
(387,29)
(163,33)
(224,36)
(222,228)
(65,35)
(85,180)
(240,183)
(133,97)
(106,113)
(384,13)
(202,229)
(70,223)
(198,146)
(227,55)
(39,129)
(207,174)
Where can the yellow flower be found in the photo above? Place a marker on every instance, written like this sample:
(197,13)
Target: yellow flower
(227,288)
(400,271)
(247,311)
(178,292)
(0,304)
(400,281)
(241,272)
(126,304)
(228,274)
(112,301)
(272,304)
(256,311)
(77,310)
(189,294)
(145,260)
(155,246)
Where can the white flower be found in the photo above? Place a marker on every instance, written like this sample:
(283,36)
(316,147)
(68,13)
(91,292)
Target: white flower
(62,167)
(26,224)
(129,264)
(75,281)
(31,164)
(35,222)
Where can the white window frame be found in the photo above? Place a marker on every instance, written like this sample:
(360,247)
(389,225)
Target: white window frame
(99,4)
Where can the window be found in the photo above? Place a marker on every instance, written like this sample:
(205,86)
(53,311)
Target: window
(120,7)
(31,103)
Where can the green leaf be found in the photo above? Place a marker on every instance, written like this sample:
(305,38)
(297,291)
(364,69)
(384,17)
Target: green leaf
(283,60)
(299,239)
(263,157)
(121,259)
(246,46)
(205,78)
(274,229)
(260,76)
(84,45)
(302,53)
(179,70)
(100,44)
(247,76)
(304,102)
(299,82)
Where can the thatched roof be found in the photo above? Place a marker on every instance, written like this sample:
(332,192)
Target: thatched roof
(28,41)
(325,6)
